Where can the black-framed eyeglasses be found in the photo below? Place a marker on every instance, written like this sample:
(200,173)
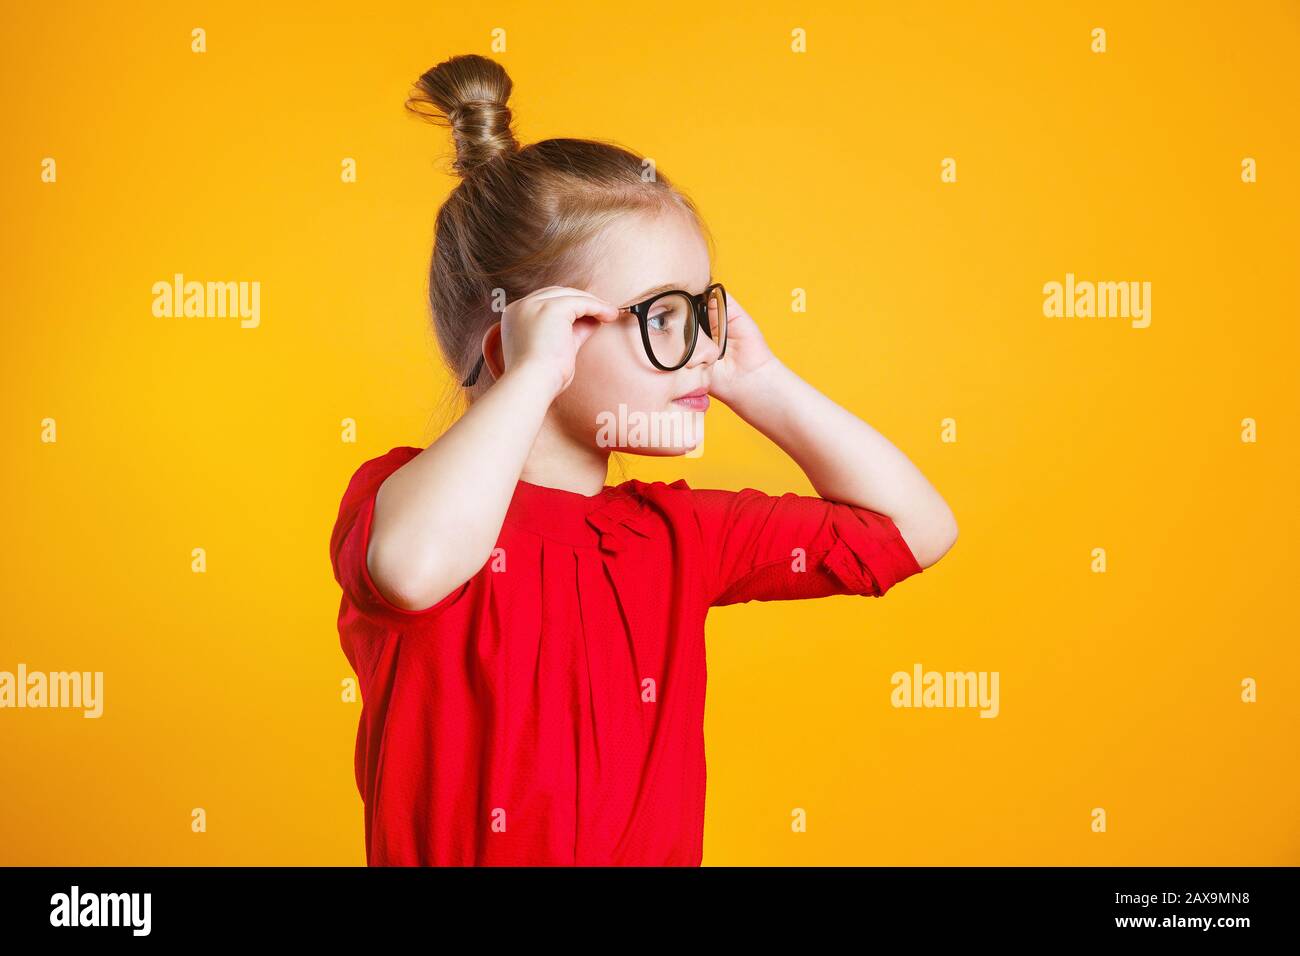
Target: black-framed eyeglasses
(670,323)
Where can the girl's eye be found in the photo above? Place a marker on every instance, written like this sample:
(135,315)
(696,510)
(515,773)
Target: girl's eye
(661,318)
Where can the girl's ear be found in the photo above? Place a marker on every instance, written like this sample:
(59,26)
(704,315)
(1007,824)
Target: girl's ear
(494,355)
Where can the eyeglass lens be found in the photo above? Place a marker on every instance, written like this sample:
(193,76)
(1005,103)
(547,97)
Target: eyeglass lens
(672,328)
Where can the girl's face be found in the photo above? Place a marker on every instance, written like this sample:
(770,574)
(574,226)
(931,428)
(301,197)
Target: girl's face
(617,399)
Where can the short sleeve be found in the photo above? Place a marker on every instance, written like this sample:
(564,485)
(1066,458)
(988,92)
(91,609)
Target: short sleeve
(761,547)
(351,540)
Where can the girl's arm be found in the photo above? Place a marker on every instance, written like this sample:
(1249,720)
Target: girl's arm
(438,517)
(844,458)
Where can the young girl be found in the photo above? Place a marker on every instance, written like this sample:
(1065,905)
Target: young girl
(529,640)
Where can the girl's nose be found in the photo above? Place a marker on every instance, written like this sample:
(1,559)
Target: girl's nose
(706,350)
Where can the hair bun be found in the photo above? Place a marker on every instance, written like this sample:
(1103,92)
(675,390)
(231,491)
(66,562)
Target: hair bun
(468,93)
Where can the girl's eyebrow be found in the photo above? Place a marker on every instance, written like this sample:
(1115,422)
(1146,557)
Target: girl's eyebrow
(641,297)
(666,287)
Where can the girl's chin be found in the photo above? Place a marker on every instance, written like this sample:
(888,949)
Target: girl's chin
(661,452)
(676,430)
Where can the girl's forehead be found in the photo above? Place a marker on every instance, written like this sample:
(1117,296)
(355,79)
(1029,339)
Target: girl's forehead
(641,255)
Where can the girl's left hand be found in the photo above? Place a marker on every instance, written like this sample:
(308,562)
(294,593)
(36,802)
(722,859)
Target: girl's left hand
(747,351)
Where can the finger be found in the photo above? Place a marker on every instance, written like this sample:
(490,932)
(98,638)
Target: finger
(605,311)
(583,329)
(563,295)
(734,307)
(577,306)
(548,292)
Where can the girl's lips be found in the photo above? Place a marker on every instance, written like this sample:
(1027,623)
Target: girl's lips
(694,402)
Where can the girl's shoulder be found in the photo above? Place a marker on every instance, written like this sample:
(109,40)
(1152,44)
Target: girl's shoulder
(645,506)
(366,478)
(681,495)
(679,498)
(372,472)
(672,500)
(652,490)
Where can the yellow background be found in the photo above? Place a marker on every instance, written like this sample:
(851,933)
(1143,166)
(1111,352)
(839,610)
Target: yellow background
(817,171)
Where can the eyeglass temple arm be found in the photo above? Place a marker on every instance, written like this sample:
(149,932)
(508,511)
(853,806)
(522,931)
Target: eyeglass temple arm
(473,376)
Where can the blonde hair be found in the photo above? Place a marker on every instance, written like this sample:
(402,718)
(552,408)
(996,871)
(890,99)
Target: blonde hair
(521,218)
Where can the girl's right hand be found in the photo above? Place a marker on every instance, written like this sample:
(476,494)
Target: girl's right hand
(546,328)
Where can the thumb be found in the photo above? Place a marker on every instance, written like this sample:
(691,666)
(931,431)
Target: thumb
(583,328)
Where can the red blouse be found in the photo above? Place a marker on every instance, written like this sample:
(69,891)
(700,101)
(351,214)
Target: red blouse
(550,710)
